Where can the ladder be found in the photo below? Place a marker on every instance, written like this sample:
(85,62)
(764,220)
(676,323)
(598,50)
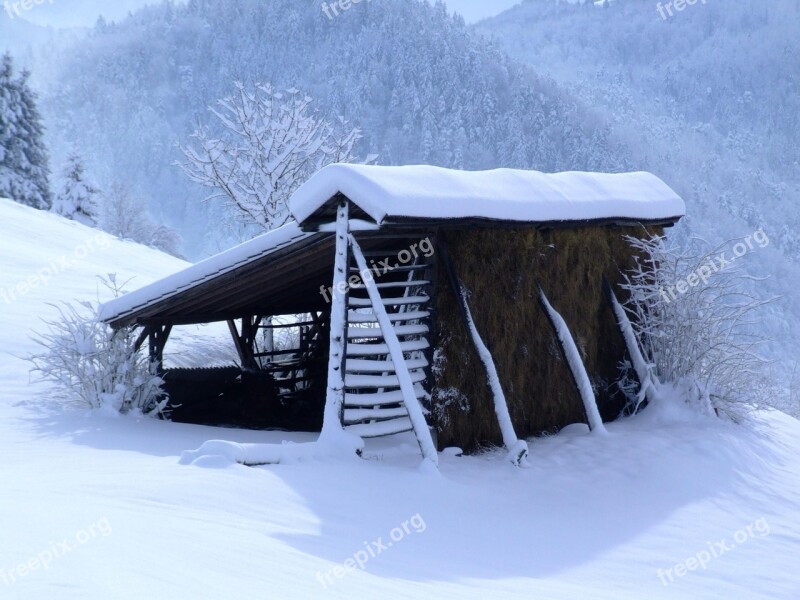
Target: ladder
(373,399)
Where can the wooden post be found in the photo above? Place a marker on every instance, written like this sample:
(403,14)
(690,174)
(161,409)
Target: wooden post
(334,398)
(244,341)
(157,339)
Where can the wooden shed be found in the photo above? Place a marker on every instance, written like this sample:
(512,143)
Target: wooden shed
(424,299)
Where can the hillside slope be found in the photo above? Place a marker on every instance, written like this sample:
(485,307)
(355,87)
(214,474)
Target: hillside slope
(97,507)
(423,88)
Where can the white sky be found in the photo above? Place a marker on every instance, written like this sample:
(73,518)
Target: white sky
(72,13)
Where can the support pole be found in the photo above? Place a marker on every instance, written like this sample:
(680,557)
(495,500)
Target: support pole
(572,357)
(517,449)
(333,433)
(157,339)
(648,383)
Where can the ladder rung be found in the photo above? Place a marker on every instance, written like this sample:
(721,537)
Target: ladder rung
(360,415)
(380,398)
(381,349)
(379,381)
(412,315)
(355,365)
(382,428)
(398,268)
(366,302)
(394,284)
(357,333)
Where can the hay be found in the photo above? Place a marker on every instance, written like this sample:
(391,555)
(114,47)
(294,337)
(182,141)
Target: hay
(501,269)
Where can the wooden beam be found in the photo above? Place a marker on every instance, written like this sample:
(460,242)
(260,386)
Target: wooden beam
(333,420)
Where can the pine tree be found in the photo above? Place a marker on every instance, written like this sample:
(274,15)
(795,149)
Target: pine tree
(77,198)
(24,165)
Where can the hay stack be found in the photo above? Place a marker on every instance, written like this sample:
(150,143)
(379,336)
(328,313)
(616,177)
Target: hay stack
(501,269)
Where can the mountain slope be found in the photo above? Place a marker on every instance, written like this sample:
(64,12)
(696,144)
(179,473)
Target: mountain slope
(423,88)
(708,100)
(97,506)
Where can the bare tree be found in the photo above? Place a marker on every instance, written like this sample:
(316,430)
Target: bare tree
(125,216)
(272,142)
(696,318)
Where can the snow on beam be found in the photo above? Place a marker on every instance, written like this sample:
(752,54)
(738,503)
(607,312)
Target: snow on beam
(415,414)
(644,371)
(576,366)
(517,449)
(333,434)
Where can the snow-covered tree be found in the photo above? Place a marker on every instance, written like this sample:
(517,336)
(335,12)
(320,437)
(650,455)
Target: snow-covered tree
(24,165)
(271,143)
(697,321)
(124,214)
(76,200)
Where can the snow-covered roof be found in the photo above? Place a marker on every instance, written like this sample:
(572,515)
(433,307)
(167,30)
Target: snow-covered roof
(202,272)
(246,275)
(389,194)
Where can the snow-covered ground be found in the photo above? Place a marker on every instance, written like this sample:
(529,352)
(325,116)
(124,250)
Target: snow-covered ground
(105,504)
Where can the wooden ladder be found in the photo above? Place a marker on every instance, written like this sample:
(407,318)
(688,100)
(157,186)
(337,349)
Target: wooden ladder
(373,400)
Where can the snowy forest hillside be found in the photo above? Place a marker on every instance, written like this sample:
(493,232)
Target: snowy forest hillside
(700,100)
(423,88)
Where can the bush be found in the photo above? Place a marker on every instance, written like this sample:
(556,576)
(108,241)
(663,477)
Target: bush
(96,367)
(702,336)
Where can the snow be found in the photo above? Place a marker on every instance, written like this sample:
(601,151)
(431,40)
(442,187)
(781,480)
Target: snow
(593,517)
(196,274)
(426,192)
(575,361)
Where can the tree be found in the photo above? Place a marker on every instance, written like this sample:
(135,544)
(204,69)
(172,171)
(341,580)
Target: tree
(24,164)
(125,216)
(76,200)
(272,142)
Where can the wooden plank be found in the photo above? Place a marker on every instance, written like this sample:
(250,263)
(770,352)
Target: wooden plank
(381,429)
(415,315)
(380,398)
(381,349)
(365,302)
(361,415)
(355,333)
(356,382)
(355,365)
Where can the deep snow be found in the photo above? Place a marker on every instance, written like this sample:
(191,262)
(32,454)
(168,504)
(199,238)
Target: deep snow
(593,516)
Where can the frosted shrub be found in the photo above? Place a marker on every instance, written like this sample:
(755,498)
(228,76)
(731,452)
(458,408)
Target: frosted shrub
(702,336)
(95,367)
